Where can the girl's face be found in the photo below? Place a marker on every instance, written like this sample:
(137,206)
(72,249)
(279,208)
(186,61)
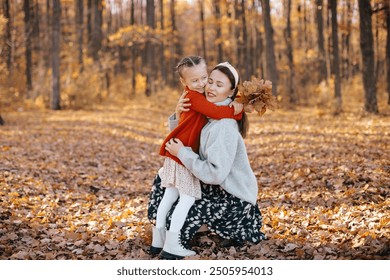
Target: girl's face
(218,87)
(195,77)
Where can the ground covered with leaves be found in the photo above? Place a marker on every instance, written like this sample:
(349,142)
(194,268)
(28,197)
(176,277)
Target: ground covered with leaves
(75,184)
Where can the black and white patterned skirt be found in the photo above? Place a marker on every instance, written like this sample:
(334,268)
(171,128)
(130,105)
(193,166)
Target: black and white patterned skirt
(224,214)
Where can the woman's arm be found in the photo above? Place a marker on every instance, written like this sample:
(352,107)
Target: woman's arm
(183,104)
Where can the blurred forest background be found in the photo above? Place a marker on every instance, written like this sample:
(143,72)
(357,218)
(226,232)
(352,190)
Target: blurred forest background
(86,87)
(76,53)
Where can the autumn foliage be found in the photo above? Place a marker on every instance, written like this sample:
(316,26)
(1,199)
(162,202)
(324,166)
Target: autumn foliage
(257,93)
(75,184)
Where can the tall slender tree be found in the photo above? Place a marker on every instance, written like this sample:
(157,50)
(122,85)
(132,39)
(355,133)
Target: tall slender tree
(272,72)
(56,78)
(80,31)
(336,56)
(176,42)
(237,34)
(35,28)
(162,46)
(203,28)
(320,41)
(246,59)
(47,35)
(367,50)
(290,56)
(346,41)
(150,20)
(28,51)
(133,51)
(7,37)
(217,11)
(89,25)
(388,50)
(97,34)
(259,48)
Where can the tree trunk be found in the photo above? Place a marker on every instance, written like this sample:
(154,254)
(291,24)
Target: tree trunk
(321,42)
(8,36)
(217,6)
(259,46)
(47,38)
(336,56)
(376,50)
(28,53)
(290,56)
(203,29)
(97,35)
(35,30)
(237,34)
(272,73)
(305,32)
(162,47)
(367,50)
(246,60)
(388,52)
(150,21)
(56,26)
(346,42)
(328,56)
(176,43)
(80,31)
(133,51)
(89,25)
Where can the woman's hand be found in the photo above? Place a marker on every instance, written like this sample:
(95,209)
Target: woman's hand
(238,107)
(182,105)
(173,146)
(249,108)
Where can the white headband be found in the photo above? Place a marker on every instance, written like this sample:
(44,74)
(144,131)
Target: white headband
(232,70)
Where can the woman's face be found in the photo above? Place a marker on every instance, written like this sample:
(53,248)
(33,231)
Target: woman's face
(195,78)
(218,87)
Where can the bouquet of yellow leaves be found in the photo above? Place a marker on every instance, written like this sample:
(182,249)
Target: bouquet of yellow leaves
(258,93)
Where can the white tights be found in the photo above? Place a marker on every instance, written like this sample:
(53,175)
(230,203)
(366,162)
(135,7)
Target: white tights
(181,210)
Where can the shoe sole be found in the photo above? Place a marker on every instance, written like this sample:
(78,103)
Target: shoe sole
(154,250)
(168,256)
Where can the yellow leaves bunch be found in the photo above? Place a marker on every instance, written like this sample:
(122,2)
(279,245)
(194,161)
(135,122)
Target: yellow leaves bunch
(258,93)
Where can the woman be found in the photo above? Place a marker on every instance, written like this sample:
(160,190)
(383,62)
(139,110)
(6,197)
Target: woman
(229,188)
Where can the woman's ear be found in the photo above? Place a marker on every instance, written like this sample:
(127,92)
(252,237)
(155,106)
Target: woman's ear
(182,81)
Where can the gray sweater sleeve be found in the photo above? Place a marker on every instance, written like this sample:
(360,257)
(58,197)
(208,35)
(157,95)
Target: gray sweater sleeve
(220,152)
(172,122)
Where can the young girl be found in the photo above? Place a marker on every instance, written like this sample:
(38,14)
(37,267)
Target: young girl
(175,178)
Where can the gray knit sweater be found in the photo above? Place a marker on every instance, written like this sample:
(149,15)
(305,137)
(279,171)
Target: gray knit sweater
(222,160)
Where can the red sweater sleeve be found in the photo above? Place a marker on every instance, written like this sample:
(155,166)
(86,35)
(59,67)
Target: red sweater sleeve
(200,104)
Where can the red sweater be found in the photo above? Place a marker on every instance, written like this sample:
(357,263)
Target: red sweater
(192,122)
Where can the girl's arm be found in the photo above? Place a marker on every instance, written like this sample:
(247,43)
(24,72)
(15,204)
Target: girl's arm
(201,105)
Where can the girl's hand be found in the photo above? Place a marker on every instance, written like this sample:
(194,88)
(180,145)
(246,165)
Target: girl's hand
(173,146)
(182,105)
(238,107)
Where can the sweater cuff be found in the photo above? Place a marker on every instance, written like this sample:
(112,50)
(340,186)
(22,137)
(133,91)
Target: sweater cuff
(173,122)
(184,153)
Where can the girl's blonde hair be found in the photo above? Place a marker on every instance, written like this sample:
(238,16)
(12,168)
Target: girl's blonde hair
(189,61)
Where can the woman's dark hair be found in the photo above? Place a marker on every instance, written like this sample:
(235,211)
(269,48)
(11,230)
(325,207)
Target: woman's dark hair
(189,61)
(243,124)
